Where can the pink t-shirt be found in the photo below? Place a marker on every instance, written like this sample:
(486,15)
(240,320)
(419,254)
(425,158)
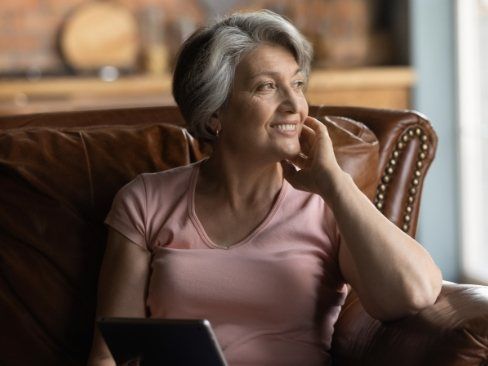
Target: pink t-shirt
(272,298)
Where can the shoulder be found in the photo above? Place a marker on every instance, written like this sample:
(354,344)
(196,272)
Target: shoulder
(172,179)
(171,175)
(167,180)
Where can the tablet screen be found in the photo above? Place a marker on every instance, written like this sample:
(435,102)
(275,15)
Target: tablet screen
(162,341)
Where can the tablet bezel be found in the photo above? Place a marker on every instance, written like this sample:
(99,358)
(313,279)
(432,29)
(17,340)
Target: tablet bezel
(162,341)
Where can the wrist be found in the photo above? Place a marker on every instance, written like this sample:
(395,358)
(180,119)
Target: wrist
(335,184)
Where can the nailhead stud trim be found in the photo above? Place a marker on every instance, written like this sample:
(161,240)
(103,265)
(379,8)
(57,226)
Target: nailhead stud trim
(403,140)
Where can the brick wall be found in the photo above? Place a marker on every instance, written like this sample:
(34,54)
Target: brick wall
(29,30)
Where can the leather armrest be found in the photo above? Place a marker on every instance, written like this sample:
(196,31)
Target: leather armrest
(453,331)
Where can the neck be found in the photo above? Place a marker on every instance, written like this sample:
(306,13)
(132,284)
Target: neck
(239,181)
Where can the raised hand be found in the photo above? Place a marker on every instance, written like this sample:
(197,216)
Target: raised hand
(318,169)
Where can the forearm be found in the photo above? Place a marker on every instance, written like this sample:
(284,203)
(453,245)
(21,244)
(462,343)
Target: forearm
(391,272)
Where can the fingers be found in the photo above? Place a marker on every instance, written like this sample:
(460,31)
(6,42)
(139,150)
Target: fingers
(316,126)
(313,129)
(289,171)
(307,138)
(313,134)
(313,123)
(307,132)
(320,131)
(301,160)
(291,174)
(288,168)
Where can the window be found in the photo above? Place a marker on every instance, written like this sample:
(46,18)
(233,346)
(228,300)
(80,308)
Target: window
(472,32)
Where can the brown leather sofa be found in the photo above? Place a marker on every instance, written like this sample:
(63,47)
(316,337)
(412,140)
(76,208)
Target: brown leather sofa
(60,171)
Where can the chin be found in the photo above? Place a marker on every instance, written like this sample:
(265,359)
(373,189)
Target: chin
(290,151)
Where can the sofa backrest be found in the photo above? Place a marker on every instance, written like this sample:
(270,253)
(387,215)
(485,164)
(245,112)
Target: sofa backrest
(60,171)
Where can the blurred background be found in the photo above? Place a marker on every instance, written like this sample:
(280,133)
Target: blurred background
(79,54)
(428,55)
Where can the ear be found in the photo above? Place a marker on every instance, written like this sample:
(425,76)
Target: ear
(214,122)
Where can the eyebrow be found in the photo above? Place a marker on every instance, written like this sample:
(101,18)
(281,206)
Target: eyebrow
(272,73)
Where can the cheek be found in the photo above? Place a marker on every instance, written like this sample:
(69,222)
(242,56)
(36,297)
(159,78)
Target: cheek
(304,106)
(255,112)
(246,106)
(243,122)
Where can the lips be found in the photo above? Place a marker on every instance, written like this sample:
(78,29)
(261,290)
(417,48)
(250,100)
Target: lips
(284,126)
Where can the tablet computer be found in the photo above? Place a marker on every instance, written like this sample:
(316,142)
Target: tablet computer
(162,341)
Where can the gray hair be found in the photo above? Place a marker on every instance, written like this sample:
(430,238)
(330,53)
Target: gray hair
(205,68)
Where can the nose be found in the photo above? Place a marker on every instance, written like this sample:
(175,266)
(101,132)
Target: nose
(289,101)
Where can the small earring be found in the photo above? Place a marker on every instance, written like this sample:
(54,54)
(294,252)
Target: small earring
(217,132)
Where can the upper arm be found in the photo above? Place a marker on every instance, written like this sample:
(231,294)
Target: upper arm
(121,288)
(123,278)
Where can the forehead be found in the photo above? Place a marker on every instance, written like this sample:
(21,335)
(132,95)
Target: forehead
(266,58)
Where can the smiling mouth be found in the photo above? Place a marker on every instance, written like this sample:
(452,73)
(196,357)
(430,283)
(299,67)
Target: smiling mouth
(285,127)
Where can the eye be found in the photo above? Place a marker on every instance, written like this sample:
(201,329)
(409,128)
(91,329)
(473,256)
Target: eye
(266,86)
(299,84)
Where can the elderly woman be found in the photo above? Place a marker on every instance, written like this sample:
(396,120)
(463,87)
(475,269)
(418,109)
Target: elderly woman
(260,246)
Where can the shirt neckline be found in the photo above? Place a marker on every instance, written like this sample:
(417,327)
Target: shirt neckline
(201,230)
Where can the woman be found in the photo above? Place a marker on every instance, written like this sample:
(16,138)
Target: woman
(259,246)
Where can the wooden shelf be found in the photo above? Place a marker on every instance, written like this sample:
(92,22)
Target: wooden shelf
(387,87)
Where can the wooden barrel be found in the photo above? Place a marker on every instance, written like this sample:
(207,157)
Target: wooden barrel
(98,34)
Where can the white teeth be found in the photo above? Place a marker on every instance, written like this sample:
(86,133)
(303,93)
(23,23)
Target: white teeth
(286,127)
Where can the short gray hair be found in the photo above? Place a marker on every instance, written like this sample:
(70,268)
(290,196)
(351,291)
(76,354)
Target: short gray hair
(205,68)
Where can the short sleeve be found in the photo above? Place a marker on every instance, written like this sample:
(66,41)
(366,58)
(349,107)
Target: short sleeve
(128,212)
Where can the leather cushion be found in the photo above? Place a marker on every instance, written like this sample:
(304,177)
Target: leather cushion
(357,151)
(56,186)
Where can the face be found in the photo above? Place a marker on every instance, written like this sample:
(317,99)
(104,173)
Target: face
(266,110)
